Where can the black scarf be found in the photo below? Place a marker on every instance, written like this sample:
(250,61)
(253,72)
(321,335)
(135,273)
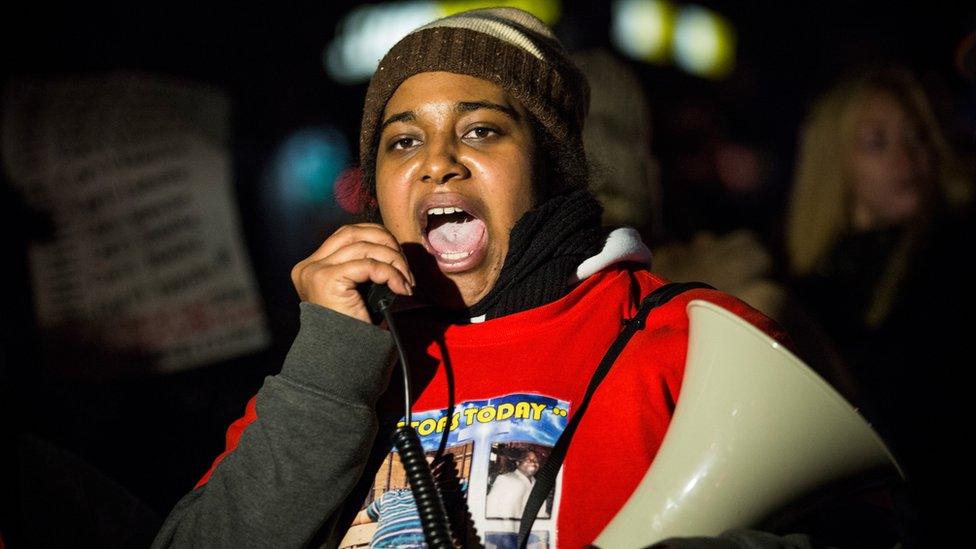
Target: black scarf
(545,247)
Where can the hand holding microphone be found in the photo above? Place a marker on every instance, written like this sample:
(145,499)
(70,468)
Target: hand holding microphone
(353,255)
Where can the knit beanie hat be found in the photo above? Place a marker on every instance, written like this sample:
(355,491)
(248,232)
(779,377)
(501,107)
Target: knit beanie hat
(507,47)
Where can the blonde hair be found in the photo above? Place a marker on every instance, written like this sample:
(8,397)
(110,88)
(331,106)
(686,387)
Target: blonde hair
(821,206)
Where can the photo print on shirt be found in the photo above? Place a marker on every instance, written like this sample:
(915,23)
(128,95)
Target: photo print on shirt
(511,476)
(491,443)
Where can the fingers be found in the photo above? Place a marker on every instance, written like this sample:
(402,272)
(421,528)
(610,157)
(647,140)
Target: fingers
(369,250)
(377,272)
(350,234)
(324,283)
(353,255)
(360,241)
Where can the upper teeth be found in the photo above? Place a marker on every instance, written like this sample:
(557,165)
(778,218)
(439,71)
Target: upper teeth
(447,210)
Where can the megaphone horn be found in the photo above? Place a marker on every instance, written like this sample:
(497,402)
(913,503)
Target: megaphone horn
(754,428)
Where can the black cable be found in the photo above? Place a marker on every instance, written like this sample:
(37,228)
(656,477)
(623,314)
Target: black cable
(384,304)
(430,505)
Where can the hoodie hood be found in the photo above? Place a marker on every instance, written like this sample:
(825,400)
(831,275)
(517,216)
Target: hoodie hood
(623,245)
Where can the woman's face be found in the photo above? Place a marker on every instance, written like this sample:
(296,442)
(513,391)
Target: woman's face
(453,175)
(890,163)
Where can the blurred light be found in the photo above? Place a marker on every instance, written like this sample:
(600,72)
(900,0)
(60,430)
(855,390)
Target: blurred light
(704,43)
(642,29)
(368,32)
(306,166)
(546,10)
(365,35)
(697,40)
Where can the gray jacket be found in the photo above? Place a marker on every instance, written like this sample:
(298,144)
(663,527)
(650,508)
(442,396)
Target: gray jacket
(286,483)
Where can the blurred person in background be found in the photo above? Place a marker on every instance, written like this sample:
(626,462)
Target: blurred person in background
(625,175)
(734,260)
(626,178)
(876,236)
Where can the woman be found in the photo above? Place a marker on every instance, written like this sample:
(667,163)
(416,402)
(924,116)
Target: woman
(510,295)
(875,174)
(875,240)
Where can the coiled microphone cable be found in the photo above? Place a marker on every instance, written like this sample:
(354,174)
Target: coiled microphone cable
(430,505)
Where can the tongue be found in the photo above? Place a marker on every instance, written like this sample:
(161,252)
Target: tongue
(456,236)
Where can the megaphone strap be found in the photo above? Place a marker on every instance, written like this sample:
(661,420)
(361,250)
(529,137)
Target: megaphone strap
(545,478)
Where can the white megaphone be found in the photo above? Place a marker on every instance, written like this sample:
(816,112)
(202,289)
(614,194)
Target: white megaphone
(754,428)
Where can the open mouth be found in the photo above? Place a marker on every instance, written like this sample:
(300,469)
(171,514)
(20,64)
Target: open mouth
(456,238)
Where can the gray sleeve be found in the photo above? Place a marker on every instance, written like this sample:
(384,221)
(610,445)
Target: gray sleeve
(297,462)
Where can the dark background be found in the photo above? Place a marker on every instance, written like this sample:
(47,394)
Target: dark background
(155,435)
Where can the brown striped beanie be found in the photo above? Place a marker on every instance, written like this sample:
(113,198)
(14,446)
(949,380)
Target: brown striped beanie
(505,46)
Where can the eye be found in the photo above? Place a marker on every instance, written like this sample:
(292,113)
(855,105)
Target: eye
(403,143)
(874,141)
(481,132)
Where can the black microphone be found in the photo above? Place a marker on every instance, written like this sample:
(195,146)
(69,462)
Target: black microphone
(379,298)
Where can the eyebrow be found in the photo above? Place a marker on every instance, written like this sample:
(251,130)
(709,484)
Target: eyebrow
(469,106)
(461,107)
(405,116)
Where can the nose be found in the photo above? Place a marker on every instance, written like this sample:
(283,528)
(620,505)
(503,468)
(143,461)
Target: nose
(441,163)
(910,157)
